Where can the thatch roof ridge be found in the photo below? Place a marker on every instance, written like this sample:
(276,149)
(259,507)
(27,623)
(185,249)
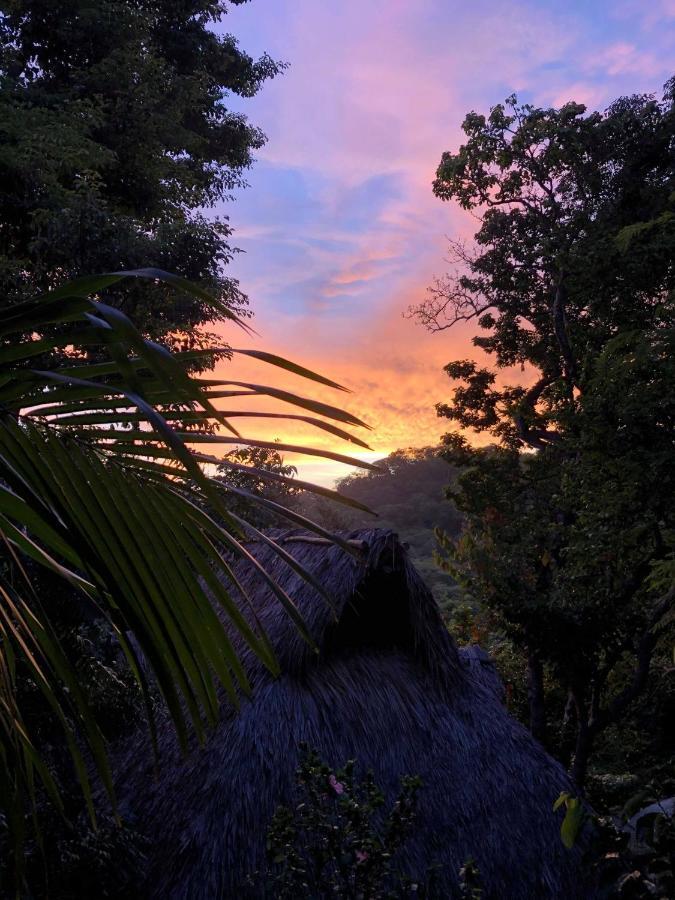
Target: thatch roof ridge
(378,555)
(481,668)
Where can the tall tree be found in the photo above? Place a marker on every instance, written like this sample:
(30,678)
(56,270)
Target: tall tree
(115,135)
(572,278)
(576,241)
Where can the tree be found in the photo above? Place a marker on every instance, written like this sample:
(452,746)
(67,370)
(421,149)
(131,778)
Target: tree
(572,279)
(98,486)
(576,242)
(259,472)
(114,137)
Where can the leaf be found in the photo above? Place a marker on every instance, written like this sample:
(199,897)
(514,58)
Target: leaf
(78,489)
(321,409)
(563,798)
(282,363)
(292,482)
(571,825)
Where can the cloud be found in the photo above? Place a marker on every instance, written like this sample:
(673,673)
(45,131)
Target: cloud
(340,226)
(624,58)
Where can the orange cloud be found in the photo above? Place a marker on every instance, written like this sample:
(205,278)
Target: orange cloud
(346,232)
(393,368)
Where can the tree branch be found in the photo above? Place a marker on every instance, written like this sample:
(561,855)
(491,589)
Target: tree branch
(450,302)
(560,330)
(538,438)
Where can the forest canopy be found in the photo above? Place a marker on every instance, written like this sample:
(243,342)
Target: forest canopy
(570,276)
(115,140)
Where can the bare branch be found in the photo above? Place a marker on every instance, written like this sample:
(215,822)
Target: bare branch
(449,301)
(440,312)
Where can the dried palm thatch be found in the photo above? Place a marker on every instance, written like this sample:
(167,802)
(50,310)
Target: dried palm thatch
(388,688)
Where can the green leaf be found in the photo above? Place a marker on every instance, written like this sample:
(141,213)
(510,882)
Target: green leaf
(282,363)
(574,818)
(78,489)
(563,798)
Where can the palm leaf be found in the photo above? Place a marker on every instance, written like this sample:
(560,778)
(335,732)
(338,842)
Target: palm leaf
(120,513)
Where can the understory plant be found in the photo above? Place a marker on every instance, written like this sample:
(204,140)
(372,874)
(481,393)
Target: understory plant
(630,853)
(338,839)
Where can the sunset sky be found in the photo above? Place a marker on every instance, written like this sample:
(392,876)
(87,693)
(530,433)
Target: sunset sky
(339,226)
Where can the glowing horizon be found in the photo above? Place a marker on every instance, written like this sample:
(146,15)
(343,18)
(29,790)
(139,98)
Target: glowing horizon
(340,227)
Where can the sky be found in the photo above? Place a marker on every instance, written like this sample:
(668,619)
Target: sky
(339,226)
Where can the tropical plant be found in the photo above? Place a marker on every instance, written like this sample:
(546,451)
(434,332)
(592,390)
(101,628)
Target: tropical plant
(570,280)
(336,841)
(630,855)
(103,484)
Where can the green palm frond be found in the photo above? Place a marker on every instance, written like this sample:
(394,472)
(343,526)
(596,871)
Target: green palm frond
(101,484)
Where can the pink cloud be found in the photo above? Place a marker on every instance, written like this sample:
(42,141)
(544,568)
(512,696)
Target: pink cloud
(381,88)
(590,95)
(624,58)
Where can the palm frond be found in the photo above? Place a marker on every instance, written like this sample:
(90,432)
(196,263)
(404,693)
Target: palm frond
(100,483)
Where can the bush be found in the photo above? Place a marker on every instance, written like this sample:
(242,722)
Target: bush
(337,839)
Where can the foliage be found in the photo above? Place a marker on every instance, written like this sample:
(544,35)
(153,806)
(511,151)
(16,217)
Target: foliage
(563,550)
(630,855)
(336,840)
(73,859)
(571,278)
(115,137)
(99,488)
(255,470)
(576,237)
(575,815)
(470,881)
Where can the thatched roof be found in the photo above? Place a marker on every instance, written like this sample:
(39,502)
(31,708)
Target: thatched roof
(481,669)
(389,689)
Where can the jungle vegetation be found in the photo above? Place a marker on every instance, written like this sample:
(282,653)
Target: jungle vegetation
(554,545)
(568,515)
(114,535)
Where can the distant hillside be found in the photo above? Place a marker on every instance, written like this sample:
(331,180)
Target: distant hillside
(408,496)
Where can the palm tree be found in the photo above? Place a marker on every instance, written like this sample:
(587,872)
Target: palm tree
(103,481)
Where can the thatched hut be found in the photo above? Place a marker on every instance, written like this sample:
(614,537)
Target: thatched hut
(389,689)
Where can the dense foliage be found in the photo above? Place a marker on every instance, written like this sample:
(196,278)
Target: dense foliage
(336,840)
(632,857)
(100,489)
(572,279)
(575,244)
(115,135)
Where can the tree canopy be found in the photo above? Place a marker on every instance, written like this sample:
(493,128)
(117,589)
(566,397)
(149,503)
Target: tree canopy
(571,278)
(576,243)
(115,136)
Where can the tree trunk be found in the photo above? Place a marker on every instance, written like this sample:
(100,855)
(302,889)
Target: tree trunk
(567,734)
(535,693)
(560,330)
(584,743)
